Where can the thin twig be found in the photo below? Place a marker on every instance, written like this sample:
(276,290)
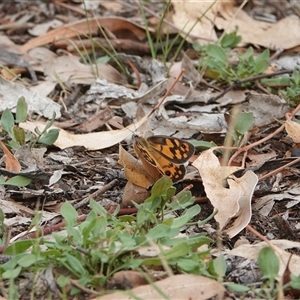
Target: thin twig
(82,288)
(94,195)
(279,169)
(248,147)
(245,80)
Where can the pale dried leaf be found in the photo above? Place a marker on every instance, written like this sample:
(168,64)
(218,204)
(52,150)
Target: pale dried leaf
(252,251)
(126,279)
(203,17)
(41,29)
(225,200)
(91,141)
(183,286)
(11,162)
(134,170)
(246,184)
(293,130)
(69,69)
(11,92)
(270,108)
(134,193)
(43,88)
(84,27)
(10,207)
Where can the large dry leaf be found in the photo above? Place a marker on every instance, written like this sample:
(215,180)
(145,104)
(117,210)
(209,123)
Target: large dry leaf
(11,207)
(134,170)
(70,69)
(252,251)
(91,141)
(223,199)
(183,287)
(293,130)
(11,162)
(270,108)
(232,201)
(246,185)
(206,15)
(84,27)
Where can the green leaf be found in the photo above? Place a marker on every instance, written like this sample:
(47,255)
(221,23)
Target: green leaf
(144,215)
(49,137)
(219,265)
(186,217)
(182,200)
(14,144)
(159,231)
(2,179)
(203,144)
(17,181)
(268,263)
(244,122)
(230,40)
(63,281)
(50,123)
(97,207)
(2,217)
(187,264)
(10,274)
(217,52)
(75,264)
(69,213)
(179,250)
(264,56)
(36,219)
(7,120)
(103,60)
(295,282)
(237,288)
(22,110)
(18,247)
(260,67)
(160,187)
(37,131)
(197,47)
(19,134)
(28,260)
(13,263)
(248,54)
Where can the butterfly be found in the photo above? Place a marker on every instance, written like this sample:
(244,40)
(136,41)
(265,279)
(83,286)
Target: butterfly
(167,154)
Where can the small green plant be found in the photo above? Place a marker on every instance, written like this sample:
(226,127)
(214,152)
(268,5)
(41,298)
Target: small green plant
(92,251)
(272,286)
(243,124)
(17,135)
(214,60)
(163,41)
(292,92)
(3,229)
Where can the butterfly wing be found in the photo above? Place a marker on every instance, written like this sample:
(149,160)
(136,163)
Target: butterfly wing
(162,157)
(175,150)
(173,171)
(142,150)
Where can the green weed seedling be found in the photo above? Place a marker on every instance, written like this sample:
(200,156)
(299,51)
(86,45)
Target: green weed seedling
(243,124)
(272,287)
(292,92)
(10,124)
(17,135)
(214,60)
(91,252)
(286,86)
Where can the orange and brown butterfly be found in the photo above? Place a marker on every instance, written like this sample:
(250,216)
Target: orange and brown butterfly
(167,154)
